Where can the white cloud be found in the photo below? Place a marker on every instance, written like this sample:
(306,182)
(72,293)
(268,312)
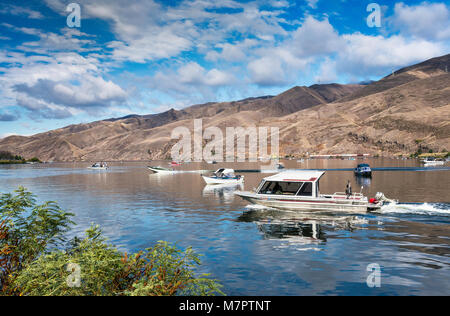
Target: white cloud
(69,40)
(312,3)
(192,74)
(267,71)
(233,52)
(147,31)
(314,38)
(21,11)
(375,55)
(57,86)
(429,21)
(327,72)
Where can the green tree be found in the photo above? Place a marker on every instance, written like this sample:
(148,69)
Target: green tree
(35,258)
(27,230)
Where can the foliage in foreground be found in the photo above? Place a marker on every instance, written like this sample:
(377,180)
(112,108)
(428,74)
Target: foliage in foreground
(34,262)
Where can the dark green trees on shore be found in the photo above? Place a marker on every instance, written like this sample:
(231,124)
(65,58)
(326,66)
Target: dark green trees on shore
(36,258)
(8,158)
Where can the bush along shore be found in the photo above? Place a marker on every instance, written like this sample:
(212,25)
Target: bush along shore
(7,158)
(36,258)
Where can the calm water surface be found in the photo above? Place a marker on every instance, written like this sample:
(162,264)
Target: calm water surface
(256,251)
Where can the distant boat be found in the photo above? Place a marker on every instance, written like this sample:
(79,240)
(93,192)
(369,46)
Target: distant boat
(161,170)
(99,166)
(429,162)
(363,170)
(224,176)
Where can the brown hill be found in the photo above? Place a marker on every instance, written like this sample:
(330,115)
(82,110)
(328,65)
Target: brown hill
(400,113)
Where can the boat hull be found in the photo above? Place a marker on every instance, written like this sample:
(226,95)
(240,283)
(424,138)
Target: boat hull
(435,163)
(305,204)
(216,180)
(161,171)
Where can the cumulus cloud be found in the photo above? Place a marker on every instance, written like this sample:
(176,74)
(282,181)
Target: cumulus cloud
(58,86)
(315,37)
(192,78)
(88,92)
(430,21)
(267,71)
(376,55)
(327,72)
(147,31)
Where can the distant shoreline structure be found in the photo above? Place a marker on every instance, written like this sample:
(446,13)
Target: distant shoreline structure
(341,156)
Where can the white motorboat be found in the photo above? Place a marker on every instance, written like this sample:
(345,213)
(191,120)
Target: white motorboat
(99,166)
(224,176)
(428,162)
(162,170)
(299,190)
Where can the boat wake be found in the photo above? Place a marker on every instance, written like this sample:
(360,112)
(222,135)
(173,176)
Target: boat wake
(256,207)
(440,209)
(436,209)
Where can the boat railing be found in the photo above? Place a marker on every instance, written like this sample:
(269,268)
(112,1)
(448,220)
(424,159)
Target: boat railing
(343,194)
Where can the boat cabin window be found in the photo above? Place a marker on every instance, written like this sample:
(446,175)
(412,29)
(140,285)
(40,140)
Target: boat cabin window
(306,189)
(280,188)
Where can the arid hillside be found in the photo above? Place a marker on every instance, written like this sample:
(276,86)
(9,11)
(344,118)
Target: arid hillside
(400,114)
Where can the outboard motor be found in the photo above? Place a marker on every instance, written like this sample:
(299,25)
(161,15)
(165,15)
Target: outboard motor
(381,197)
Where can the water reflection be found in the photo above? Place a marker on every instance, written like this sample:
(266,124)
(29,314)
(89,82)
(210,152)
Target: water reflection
(223,192)
(298,227)
(363,181)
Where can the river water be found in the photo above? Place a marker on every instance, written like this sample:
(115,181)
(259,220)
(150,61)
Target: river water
(257,251)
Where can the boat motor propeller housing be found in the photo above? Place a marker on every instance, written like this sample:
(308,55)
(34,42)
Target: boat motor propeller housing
(381,197)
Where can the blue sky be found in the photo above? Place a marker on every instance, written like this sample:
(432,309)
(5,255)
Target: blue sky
(146,57)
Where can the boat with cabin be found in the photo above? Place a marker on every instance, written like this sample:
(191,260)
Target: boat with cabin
(363,170)
(223,176)
(431,161)
(299,190)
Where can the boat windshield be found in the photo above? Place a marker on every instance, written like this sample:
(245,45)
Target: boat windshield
(306,189)
(287,188)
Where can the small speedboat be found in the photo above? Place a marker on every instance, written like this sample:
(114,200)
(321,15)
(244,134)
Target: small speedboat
(161,170)
(299,190)
(363,170)
(223,176)
(99,166)
(429,162)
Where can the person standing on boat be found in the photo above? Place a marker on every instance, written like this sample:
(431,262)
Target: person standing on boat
(348,189)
